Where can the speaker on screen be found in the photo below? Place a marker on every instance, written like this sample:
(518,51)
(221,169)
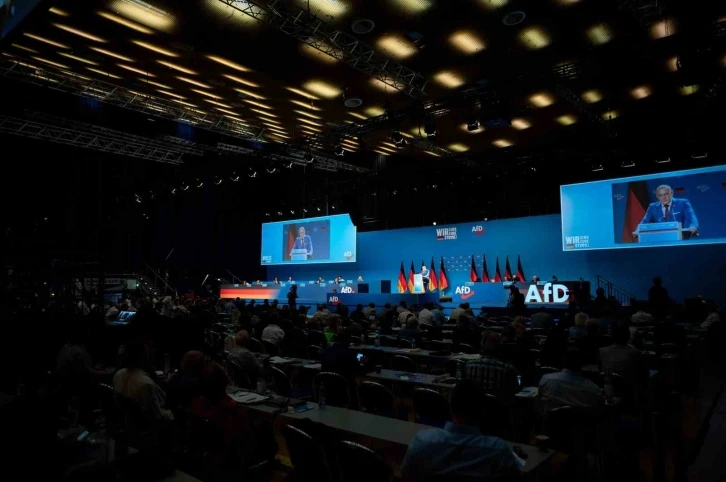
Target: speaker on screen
(385,286)
(362,287)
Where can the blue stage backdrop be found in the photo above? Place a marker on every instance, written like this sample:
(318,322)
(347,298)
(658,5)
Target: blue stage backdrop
(686,271)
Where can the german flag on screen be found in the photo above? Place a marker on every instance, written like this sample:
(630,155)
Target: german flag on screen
(443,279)
(433,282)
(411,274)
(637,203)
(402,280)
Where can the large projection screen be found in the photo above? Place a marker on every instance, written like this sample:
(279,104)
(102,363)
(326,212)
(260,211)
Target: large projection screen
(668,209)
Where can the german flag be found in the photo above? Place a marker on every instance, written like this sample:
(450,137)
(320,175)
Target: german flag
(484,270)
(443,279)
(520,271)
(638,199)
(497,274)
(473,275)
(402,280)
(411,273)
(433,282)
(507,269)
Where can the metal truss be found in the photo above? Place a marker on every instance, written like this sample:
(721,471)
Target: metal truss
(69,82)
(304,26)
(88,140)
(646,12)
(289,153)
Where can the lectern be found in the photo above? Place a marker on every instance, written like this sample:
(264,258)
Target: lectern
(299,254)
(659,232)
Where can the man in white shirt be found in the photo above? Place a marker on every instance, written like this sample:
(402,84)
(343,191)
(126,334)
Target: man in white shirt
(134,384)
(569,387)
(273,334)
(425,316)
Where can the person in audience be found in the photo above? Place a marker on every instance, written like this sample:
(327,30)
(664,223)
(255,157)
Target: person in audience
(516,300)
(425,316)
(713,319)
(622,358)
(412,330)
(641,318)
(231,305)
(438,313)
(292,297)
(658,297)
(320,280)
(463,333)
(579,331)
(369,310)
(402,306)
(322,314)
(460,451)
(542,320)
(134,384)
(607,320)
(185,384)
(403,313)
(337,358)
(276,280)
(521,335)
(112,312)
(272,332)
(459,311)
(243,357)
(493,374)
(357,316)
(331,330)
(569,387)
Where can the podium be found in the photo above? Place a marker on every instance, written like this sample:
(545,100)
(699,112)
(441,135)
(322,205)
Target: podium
(659,232)
(299,255)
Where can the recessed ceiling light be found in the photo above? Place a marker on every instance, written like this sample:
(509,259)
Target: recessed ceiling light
(591,96)
(689,89)
(144,13)
(214,102)
(430,153)
(599,34)
(226,111)
(171,94)
(318,54)
(333,9)
(45,40)
(382,86)
(307,105)
(493,4)
(542,99)
(611,114)
(323,89)
(193,82)
(458,147)
(672,64)
(206,94)
(663,28)
(104,73)
(50,62)
(58,12)
(309,122)
(183,103)
(27,49)
(449,79)
(396,46)
(138,71)
(640,92)
(125,23)
(258,104)
(502,143)
(155,48)
(241,81)
(466,42)
(271,123)
(358,115)
(229,14)
(567,3)
(263,112)
(249,93)
(176,67)
(228,63)
(112,54)
(80,59)
(412,6)
(80,33)
(155,84)
(567,119)
(382,153)
(521,124)
(534,37)
(307,114)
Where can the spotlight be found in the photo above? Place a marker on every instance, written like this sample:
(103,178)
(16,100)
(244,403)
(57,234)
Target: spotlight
(200,183)
(252,174)
(173,191)
(271,171)
(398,138)
(627,164)
(434,223)
(472,125)
(339,151)
(597,167)
(309,158)
(430,129)
(288,166)
(663,161)
(234,177)
(217,180)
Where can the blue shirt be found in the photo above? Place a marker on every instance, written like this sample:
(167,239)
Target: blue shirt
(456,450)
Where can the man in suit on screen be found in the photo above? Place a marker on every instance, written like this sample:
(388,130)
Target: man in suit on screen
(667,208)
(303,241)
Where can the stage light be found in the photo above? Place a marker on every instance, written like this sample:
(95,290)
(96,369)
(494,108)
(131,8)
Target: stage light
(253,174)
(398,138)
(339,151)
(309,158)
(234,177)
(273,171)
(217,180)
(434,223)
(200,183)
(472,125)
(430,129)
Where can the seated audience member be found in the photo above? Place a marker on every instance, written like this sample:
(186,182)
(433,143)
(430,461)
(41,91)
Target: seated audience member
(459,311)
(403,313)
(112,312)
(607,320)
(242,355)
(459,451)
(412,330)
(369,310)
(641,318)
(425,316)
(569,387)
(74,364)
(185,384)
(357,316)
(438,314)
(241,444)
(493,374)
(273,333)
(463,333)
(331,330)
(133,383)
(542,319)
(622,358)
(521,335)
(337,358)
(713,319)
(579,331)
(322,314)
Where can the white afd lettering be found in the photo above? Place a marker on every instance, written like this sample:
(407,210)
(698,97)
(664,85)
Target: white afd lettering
(333,299)
(462,290)
(346,289)
(477,229)
(550,294)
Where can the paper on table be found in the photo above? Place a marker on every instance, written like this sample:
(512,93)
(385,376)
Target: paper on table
(279,359)
(247,397)
(313,365)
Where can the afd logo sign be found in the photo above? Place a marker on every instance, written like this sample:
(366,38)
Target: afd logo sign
(551,293)
(334,300)
(346,289)
(445,234)
(464,291)
(478,230)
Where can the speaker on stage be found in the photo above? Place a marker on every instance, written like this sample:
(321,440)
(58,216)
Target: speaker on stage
(362,287)
(386,286)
